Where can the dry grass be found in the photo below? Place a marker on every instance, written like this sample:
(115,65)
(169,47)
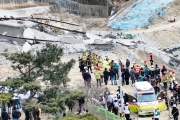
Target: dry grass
(23,5)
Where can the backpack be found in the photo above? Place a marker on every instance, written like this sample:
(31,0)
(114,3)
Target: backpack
(16,114)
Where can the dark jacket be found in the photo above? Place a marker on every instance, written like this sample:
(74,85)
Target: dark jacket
(175,111)
(157,71)
(132,74)
(127,63)
(163,69)
(106,74)
(81,101)
(126,74)
(4,115)
(88,62)
(86,76)
(112,72)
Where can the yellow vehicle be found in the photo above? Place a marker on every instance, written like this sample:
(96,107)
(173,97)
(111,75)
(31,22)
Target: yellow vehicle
(144,100)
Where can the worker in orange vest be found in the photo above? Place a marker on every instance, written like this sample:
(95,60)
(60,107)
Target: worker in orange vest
(99,64)
(151,58)
(137,69)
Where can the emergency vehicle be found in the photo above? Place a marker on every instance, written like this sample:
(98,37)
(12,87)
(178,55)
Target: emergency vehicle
(143,100)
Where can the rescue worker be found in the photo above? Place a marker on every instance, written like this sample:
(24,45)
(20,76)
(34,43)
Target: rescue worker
(82,66)
(108,67)
(99,64)
(102,74)
(97,76)
(111,63)
(164,70)
(127,112)
(156,114)
(89,65)
(79,60)
(165,80)
(171,76)
(84,56)
(137,69)
(151,58)
(175,112)
(104,63)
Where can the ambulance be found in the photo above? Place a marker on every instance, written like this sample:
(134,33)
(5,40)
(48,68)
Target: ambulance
(143,100)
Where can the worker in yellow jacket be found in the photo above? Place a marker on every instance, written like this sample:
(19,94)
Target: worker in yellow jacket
(165,80)
(102,74)
(98,76)
(84,56)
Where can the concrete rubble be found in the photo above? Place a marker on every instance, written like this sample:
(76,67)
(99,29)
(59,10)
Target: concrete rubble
(71,42)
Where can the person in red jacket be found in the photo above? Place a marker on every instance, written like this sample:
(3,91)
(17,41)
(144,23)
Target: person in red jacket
(151,58)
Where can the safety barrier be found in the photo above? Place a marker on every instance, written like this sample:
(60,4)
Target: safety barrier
(81,9)
(102,113)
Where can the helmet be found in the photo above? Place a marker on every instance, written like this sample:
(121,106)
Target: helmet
(176,82)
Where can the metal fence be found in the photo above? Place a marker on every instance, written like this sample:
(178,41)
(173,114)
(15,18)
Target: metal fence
(81,9)
(102,113)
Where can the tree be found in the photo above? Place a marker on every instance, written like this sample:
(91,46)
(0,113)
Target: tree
(47,65)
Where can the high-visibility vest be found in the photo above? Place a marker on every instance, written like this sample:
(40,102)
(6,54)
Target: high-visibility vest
(102,71)
(99,65)
(84,57)
(164,78)
(137,69)
(97,74)
(108,67)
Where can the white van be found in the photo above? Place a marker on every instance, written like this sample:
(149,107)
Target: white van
(144,100)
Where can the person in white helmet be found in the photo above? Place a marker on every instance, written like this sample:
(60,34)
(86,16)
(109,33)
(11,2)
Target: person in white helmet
(110,100)
(156,114)
(116,105)
(127,111)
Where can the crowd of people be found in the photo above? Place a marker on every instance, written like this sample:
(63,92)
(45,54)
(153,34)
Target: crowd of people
(162,79)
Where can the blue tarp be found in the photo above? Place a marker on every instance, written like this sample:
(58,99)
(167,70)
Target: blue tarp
(141,15)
